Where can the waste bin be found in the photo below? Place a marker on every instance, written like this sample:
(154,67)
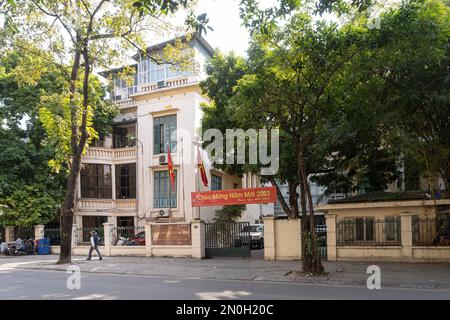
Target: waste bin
(43,246)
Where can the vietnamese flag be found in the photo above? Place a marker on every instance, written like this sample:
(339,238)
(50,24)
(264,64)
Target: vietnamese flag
(170,166)
(201,168)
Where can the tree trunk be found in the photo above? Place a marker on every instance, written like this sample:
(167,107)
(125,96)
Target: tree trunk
(66,220)
(310,259)
(69,200)
(445,173)
(305,219)
(293,199)
(280,197)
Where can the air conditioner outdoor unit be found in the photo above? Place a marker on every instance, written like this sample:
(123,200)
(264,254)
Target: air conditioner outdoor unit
(163,213)
(160,84)
(163,159)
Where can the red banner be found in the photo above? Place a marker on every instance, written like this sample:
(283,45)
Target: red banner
(234,196)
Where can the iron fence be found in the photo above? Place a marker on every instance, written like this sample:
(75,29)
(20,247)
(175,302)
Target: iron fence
(128,236)
(84,235)
(23,232)
(54,234)
(2,234)
(431,231)
(321,234)
(367,231)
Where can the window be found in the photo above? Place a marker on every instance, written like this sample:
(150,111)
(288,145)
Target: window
(96,181)
(358,229)
(161,190)
(364,229)
(216,182)
(151,72)
(124,135)
(164,131)
(392,228)
(126,181)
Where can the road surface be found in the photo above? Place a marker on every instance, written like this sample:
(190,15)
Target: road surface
(38,284)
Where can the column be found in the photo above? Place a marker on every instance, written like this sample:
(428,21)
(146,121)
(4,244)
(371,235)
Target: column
(108,234)
(148,239)
(75,239)
(198,239)
(331,237)
(39,231)
(406,234)
(9,234)
(269,238)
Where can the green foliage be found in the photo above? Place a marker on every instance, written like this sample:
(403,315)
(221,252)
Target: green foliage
(229,213)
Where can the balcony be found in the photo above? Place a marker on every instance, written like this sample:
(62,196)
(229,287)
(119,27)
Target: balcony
(97,154)
(125,103)
(106,205)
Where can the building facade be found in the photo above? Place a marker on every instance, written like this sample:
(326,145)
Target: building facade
(125,179)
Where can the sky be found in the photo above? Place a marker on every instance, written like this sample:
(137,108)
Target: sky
(229,34)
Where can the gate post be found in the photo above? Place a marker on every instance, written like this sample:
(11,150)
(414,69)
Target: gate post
(331,237)
(9,234)
(269,238)
(107,231)
(148,239)
(39,231)
(198,239)
(406,235)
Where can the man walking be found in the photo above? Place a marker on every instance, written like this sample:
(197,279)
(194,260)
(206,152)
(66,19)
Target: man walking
(95,239)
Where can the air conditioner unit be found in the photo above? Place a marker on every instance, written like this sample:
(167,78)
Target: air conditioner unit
(163,213)
(161,84)
(163,159)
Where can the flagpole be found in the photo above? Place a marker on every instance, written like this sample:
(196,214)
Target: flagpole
(182,179)
(197,175)
(170,186)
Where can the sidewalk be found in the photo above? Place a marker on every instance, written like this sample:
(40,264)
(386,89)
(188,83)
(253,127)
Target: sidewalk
(397,275)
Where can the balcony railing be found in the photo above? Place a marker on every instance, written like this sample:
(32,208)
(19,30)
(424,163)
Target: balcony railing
(125,103)
(170,83)
(105,204)
(96,153)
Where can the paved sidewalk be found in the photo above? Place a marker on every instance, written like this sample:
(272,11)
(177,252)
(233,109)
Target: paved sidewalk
(396,275)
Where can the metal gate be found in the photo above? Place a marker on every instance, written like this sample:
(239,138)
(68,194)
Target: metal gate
(321,233)
(227,239)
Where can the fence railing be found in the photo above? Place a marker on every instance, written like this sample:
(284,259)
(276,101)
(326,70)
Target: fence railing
(84,235)
(54,234)
(367,231)
(128,236)
(431,231)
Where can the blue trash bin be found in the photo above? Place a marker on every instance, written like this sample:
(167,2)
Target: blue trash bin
(43,246)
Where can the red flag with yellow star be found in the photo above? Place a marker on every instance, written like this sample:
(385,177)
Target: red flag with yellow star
(170,166)
(201,168)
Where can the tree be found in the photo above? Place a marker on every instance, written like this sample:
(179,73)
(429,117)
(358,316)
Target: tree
(229,213)
(30,193)
(86,34)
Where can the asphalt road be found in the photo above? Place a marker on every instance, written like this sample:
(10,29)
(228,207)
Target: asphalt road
(30,284)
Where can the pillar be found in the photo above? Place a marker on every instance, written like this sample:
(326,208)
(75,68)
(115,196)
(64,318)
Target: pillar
(108,234)
(331,237)
(406,234)
(148,239)
(9,234)
(198,239)
(39,231)
(75,239)
(269,238)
